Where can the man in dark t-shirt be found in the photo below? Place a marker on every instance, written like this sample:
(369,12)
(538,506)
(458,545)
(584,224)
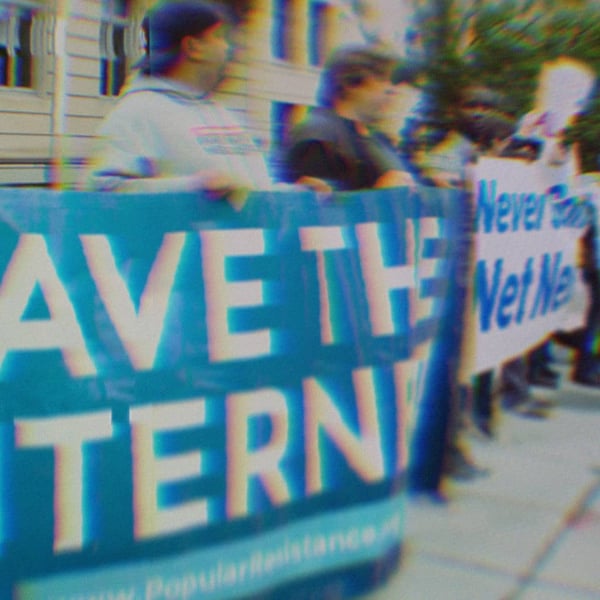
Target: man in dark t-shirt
(336,147)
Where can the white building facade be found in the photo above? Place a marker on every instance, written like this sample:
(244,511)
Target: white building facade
(62,63)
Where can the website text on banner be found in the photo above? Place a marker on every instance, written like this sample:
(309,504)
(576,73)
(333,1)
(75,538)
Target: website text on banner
(528,222)
(204,403)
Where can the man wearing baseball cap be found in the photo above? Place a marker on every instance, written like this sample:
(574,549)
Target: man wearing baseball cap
(165,132)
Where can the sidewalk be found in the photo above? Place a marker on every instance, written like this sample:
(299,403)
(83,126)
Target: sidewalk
(530,530)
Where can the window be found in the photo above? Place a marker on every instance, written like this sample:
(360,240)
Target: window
(117,47)
(20,34)
(318,33)
(304,31)
(281,29)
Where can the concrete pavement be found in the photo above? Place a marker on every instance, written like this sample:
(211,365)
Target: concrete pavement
(528,531)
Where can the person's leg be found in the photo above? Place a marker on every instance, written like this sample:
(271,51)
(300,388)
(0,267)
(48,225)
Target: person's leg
(538,369)
(458,461)
(514,388)
(586,367)
(514,391)
(482,402)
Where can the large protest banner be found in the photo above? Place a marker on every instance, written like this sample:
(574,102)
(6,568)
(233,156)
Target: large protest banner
(199,402)
(529,219)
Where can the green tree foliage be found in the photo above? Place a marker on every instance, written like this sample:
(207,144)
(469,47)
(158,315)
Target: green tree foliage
(576,33)
(504,53)
(503,44)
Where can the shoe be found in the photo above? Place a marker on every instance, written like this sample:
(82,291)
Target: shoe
(542,380)
(546,371)
(532,408)
(543,402)
(590,379)
(511,404)
(543,376)
(484,427)
(571,339)
(460,467)
(428,497)
(467,472)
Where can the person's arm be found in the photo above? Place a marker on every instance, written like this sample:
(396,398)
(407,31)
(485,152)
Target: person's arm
(120,164)
(121,160)
(215,184)
(133,175)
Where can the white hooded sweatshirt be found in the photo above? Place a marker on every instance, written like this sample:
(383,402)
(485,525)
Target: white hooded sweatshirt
(161,134)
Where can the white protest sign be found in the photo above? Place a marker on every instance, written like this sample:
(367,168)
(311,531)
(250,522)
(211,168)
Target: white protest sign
(528,221)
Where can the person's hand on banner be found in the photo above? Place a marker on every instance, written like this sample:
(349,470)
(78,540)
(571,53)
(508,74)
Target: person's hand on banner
(395,179)
(321,187)
(446,179)
(315,183)
(220,185)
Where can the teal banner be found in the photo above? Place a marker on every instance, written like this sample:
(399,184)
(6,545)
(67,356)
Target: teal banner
(203,402)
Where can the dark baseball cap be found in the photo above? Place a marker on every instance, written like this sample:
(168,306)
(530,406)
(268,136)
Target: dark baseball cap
(167,23)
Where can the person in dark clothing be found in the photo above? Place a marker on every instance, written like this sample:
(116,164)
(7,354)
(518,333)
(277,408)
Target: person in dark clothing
(495,136)
(166,132)
(337,147)
(564,92)
(586,366)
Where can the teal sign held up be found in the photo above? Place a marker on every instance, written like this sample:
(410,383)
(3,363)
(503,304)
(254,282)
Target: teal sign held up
(199,402)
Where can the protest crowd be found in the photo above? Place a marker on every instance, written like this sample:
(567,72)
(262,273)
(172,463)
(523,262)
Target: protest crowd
(167,132)
(343,145)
